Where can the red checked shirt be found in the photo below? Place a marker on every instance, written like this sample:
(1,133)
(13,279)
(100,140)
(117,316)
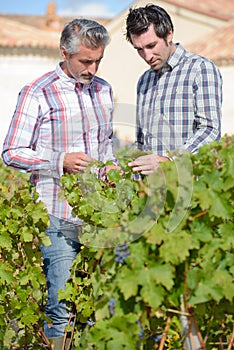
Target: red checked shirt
(56,115)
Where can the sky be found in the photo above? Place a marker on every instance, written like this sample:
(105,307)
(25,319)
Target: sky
(70,8)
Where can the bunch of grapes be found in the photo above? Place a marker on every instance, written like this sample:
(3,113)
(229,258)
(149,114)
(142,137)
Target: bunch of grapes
(141,333)
(156,338)
(111,305)
(121,253)
(90,322)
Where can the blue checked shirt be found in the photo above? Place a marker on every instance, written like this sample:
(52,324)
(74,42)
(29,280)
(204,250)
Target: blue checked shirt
(55,115)
(179,106)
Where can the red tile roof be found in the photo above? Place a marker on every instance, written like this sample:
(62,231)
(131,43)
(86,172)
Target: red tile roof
(29,34)
(218,46)
(21,34)
(223,9)
(14,33)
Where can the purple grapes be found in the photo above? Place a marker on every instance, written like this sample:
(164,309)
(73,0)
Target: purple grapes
(111,305)
(121,253)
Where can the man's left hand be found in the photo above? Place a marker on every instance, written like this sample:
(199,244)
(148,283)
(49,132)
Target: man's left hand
(147,164)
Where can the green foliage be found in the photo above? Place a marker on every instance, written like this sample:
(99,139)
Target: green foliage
(178,226)
(23,221)
(111,206)
(157,252)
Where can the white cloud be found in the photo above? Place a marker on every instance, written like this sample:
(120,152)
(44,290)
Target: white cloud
(93,9)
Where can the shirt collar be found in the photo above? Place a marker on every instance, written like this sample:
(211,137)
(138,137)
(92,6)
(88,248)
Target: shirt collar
(176,57)
(66,79)
(173,60)
(164,69)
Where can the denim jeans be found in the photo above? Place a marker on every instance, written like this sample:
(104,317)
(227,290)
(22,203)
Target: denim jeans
(57,259)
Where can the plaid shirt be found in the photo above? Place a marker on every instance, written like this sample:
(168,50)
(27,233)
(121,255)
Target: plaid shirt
(55,115)
(179,106)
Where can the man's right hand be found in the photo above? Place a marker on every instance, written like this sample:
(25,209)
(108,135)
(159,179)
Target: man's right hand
(76,162)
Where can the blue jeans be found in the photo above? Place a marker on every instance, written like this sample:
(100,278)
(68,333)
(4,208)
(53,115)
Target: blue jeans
(57,259)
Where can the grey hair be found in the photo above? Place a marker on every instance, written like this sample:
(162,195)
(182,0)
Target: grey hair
(83,32)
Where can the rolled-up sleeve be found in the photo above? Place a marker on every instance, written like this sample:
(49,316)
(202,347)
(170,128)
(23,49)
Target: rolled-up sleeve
(21,149)
(207,106)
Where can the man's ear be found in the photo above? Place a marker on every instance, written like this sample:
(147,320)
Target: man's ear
(63,52)
(170,37)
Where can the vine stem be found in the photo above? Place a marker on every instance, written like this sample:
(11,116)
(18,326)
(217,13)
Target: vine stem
(221,343)
(203,346)
(208,327)
(165,333)
(72,334)
(198,215)
(179,312)
(231,341)
(40,331)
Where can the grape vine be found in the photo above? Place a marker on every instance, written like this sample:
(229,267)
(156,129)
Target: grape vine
(156,266)
(155,287)
(23,221)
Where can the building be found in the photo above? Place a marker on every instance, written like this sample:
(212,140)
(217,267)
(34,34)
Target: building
(29,47)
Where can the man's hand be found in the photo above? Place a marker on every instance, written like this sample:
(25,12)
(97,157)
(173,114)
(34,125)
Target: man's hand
(76,162)
(147,164)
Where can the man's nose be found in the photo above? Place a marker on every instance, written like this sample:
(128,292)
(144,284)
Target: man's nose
(93,67)
(148,55)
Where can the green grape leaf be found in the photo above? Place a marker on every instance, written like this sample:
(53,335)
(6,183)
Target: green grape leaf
(152,295)
(157,234)
(205,292)
(6,273)
(5,240)
(220,205)
(176,247)
(29,318)
(224,280)
(200,231)
(163,274)
(114,175)
(26,233)
(127,281)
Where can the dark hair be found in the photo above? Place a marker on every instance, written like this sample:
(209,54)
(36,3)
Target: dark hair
(83,32)
(139,20)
